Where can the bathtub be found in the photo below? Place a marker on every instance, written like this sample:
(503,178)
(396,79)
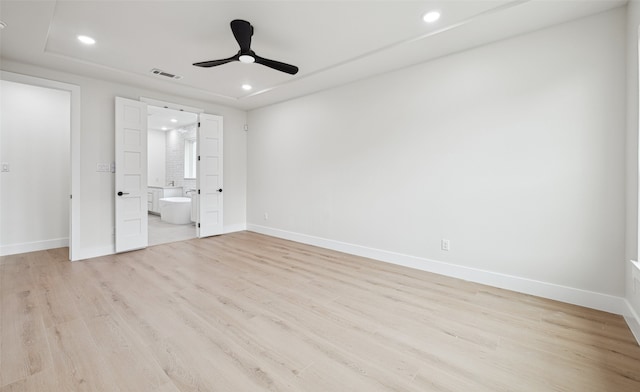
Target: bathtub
(175,210)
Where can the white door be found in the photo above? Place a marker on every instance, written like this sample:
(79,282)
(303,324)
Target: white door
(131,175)
(209,175)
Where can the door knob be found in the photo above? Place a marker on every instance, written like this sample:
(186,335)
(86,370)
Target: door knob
(220,190)
(122,193)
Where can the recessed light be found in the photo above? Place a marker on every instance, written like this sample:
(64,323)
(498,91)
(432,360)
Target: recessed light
(173,120)
(86,40)
(246,87)
(2,25)
(245,58)
(431,16)
(164,128)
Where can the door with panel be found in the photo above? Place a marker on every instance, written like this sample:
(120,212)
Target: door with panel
(210,175)
(131,222)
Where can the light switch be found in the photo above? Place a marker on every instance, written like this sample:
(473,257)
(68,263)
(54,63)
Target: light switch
(103,167)
(6,167)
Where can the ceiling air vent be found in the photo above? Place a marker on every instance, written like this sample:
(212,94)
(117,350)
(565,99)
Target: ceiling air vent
(160,72)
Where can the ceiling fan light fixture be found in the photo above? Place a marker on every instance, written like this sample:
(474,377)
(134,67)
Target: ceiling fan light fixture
(85,39)
(247,59)
(243,31)
(431,16)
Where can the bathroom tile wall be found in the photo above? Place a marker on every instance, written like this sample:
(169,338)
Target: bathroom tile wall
(175,156)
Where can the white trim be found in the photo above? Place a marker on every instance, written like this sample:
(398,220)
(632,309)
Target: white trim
(234,228)
(637,132)
(76,174)
(633,321)
(35,246)
(590,299)
(170,105)
(74,161)
(631,317)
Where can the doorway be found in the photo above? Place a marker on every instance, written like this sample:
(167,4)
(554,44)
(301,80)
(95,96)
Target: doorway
(38,212)
(172,181)
(132,199)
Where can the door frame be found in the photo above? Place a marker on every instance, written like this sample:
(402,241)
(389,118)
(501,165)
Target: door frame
(170,105)
(74,161)
(174,106)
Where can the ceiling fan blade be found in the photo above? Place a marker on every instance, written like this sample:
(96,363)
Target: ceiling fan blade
(213,63)
(243,31)
(277,65)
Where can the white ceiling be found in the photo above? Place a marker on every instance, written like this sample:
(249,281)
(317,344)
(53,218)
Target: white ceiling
(332,42)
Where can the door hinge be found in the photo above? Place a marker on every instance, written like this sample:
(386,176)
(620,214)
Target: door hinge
(70,196)
(198,224)
(198,157)
(198,191)
(198,124)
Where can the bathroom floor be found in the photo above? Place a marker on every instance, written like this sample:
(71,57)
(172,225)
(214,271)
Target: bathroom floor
(161,232)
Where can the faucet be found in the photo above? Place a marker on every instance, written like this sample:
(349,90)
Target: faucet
(172,183)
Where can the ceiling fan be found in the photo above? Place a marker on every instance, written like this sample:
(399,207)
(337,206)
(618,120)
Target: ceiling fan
(242,31)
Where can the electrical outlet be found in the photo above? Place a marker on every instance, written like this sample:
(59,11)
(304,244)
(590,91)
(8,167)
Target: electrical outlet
(444,244)
(6,167)
(266,216)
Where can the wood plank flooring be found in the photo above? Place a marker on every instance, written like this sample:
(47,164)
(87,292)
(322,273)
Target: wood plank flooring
(247,312)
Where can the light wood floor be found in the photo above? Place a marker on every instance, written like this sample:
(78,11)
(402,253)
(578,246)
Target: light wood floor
(161,232)
(246,312)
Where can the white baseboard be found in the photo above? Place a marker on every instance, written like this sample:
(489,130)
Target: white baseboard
(25,247)
(633,321)
(589,299)
(234,228)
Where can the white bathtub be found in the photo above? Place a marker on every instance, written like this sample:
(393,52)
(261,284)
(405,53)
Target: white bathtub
(176,210)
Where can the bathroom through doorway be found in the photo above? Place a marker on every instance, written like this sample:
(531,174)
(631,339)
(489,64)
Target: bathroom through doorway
(171,191)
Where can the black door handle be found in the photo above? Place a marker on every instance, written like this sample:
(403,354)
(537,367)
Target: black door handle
(122,193)
(220,190)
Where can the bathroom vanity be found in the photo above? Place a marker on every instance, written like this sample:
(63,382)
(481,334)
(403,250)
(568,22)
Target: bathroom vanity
(155,193)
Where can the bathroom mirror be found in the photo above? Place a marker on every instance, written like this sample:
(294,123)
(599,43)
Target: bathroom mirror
(190,158)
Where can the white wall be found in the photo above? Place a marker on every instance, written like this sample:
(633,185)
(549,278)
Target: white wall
(34,141)
(513,151)
(156,153)
(97,146)
(633,296)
